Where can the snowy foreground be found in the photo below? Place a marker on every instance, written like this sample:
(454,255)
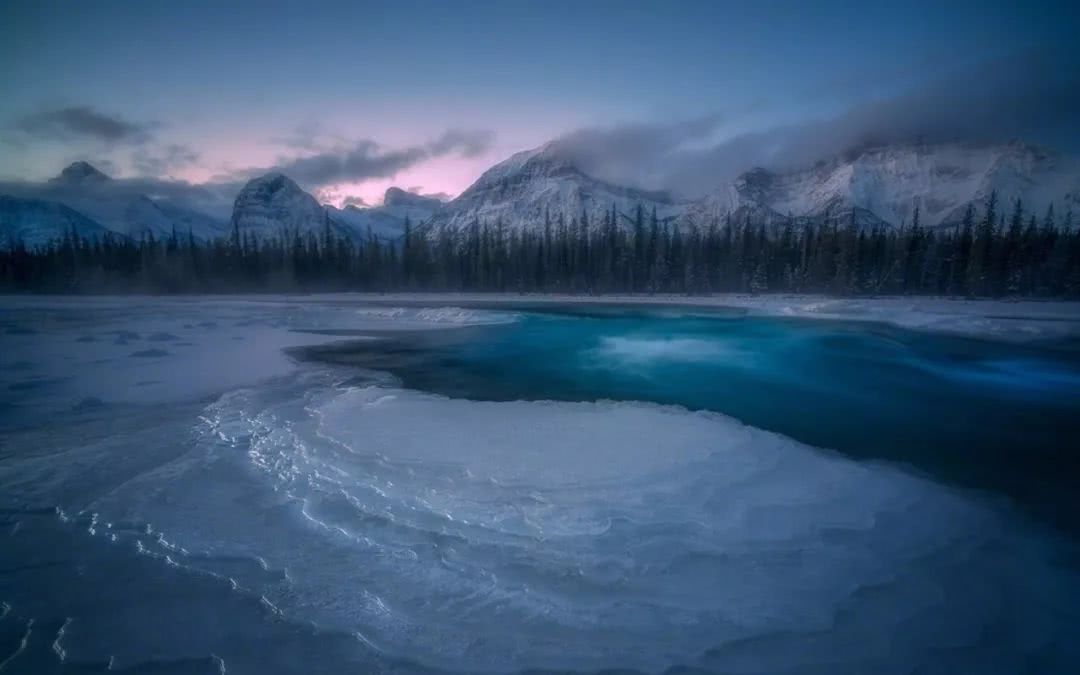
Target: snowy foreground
(178,494)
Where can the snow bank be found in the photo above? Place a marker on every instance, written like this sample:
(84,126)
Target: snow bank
(607,535)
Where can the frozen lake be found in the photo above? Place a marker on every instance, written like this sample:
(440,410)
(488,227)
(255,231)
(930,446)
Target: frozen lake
(346,484)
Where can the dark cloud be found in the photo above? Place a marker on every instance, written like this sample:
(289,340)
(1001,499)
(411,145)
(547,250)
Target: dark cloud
(159,162)
(310,136)
(367,159)
(1032,98)
(82,122)
(464,143)
(641,154)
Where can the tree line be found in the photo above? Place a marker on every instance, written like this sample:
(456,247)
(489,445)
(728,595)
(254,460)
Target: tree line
(990,253)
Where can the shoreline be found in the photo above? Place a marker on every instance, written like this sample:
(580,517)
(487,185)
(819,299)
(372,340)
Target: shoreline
(1010,319)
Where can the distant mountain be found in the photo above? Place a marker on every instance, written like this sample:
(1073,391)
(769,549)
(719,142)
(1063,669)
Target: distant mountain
(387,221)
(79,173)
(520,191)
(130,207)
(884,185)
(36,222)
(400,201)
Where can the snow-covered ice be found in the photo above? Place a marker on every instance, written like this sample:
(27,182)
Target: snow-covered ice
(178,492)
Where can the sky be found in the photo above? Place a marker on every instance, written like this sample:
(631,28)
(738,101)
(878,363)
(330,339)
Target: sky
(349,98)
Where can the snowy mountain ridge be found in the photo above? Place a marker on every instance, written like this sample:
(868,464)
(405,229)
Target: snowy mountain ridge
(273,204)
(36,222)
(884,185)
(531,186)
(386,222)
(116,205)
(879,187)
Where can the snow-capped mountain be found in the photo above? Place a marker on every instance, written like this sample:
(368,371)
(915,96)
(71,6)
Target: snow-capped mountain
(522,190)
(273,205)
(144,216)
(884,185)
(387,221)
(879,186)
(36,222)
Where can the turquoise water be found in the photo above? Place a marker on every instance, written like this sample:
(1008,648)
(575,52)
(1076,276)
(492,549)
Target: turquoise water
(989,415)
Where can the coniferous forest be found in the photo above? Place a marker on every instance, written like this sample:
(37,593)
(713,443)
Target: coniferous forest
(993,252)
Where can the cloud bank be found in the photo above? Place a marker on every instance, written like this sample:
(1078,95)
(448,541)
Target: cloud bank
(367,159)
(1032,98)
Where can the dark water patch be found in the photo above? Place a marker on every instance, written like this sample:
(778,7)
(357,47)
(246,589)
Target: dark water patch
(86,338)
(161,337)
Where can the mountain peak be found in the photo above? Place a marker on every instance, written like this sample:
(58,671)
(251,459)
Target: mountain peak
(80,172)
(533,186)
(395,196)
(273,181)
(273,203)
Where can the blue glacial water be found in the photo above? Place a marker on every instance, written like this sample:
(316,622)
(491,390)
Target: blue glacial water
(979,413)
(294,485)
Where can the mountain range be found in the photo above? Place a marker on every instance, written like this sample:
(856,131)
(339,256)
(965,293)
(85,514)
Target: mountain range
(878,187)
